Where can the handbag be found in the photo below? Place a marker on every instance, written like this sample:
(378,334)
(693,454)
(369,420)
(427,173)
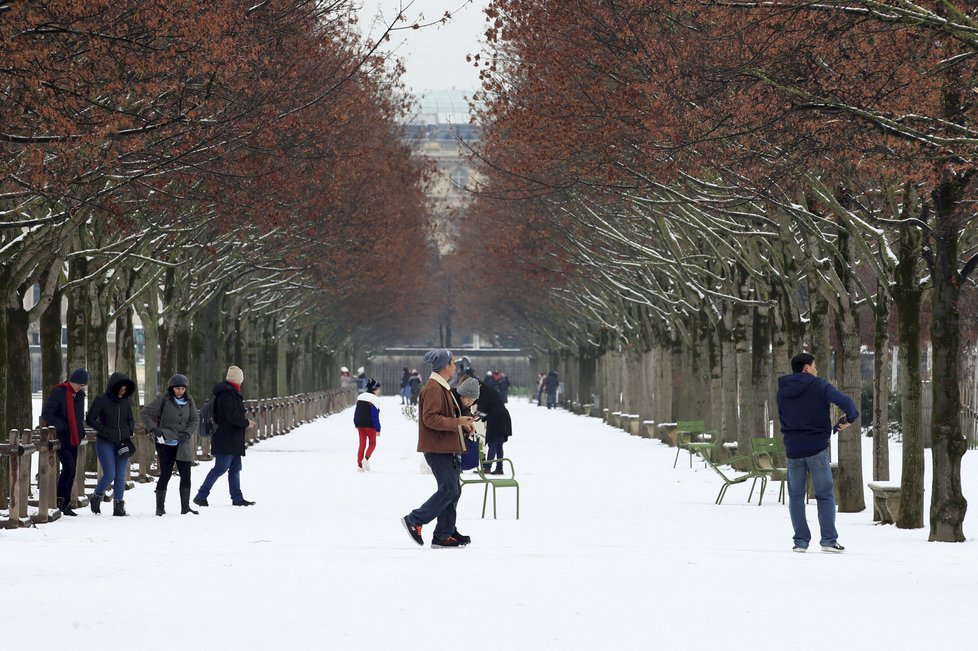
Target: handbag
(125,448)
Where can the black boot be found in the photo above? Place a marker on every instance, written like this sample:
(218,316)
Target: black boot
(64,505)
(160,502)
(95,502)
(185,501)
(119,507)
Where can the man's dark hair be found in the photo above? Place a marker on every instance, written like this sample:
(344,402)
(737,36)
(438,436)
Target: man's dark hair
(800,361)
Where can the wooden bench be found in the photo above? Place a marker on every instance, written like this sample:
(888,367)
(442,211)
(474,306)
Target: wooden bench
(886,501)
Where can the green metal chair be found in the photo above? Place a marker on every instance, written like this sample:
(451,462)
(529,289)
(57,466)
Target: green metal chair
(766,459)
(492,480)
(730,479)
(689,437)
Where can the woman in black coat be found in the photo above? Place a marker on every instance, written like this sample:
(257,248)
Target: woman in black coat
(228,441)
(499,426)
(111,418)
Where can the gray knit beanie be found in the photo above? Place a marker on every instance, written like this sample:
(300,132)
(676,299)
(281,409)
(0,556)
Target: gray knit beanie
(438,358)
(469,388)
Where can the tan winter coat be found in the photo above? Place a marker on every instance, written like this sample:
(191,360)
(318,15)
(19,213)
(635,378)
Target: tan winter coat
(438,429)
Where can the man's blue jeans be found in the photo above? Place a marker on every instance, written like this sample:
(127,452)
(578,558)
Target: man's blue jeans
(798,470)
(223,463)
(441,505)
(405,395)
(114,469)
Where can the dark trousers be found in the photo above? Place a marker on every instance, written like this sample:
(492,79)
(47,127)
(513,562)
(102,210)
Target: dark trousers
(441,505)
(68,456)
(494,450)
(167,455)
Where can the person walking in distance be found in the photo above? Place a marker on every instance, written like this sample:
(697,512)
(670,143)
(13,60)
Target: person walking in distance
(173,420)
(803,408)
(441,432)
(366,418)
(228,441)
(64,410)
(405,386)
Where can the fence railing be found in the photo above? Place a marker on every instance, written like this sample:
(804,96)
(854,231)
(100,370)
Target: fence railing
(31,455)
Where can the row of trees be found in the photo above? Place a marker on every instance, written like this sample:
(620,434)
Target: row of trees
(231,172)
(724,183)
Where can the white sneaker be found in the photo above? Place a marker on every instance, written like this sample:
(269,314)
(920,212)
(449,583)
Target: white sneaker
(366,465)
(835,548)
(800,550)
(359,468)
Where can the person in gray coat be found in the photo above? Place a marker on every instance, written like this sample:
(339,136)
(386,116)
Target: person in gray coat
(172,419)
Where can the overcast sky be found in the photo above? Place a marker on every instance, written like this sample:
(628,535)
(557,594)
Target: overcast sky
(434,56)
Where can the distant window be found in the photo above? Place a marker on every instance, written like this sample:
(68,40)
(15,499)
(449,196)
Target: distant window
(459,178)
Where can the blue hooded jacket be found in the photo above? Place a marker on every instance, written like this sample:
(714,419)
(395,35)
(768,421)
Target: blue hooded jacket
(803,407)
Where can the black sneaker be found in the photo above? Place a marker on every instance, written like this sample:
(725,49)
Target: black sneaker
(462,539)
(834,548)
(414,530)
(242,502)
(201,501)
(446,543)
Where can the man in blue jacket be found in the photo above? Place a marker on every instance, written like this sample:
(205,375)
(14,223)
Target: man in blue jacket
(803,407)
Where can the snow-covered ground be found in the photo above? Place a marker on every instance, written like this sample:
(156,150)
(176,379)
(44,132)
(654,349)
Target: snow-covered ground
(614,549)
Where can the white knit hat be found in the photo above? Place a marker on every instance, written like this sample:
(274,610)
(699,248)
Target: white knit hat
(235,375)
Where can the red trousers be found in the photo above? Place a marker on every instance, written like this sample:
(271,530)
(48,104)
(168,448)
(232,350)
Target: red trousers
(366,434)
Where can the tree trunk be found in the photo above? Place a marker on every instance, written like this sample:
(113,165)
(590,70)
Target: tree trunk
(52,356)
(728,370)
(17,410)
(267,348)
(205,349)
(819,330)
(125,355)
(881,387)
(907,296)
(98,357)
(716,382)
(77,322)
(760,360)
(746,409)
(948,505)
(850,475)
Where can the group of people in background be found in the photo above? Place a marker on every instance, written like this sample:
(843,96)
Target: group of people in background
(172,418)
(410,386)
(498,381)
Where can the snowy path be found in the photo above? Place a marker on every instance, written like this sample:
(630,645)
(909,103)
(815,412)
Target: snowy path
(614,549)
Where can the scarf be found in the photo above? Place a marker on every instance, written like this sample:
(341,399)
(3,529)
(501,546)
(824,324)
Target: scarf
(180,401)
(73,438)
(236,386)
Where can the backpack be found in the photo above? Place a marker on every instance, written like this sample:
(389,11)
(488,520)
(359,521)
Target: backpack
(207,425)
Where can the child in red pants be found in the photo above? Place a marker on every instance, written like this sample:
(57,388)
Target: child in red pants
(366,418)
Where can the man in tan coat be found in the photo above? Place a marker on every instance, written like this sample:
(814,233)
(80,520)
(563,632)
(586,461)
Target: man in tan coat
(441,429)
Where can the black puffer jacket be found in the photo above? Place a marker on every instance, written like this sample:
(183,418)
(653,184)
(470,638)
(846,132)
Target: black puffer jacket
(111,416)
(499,425)
(229,413)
